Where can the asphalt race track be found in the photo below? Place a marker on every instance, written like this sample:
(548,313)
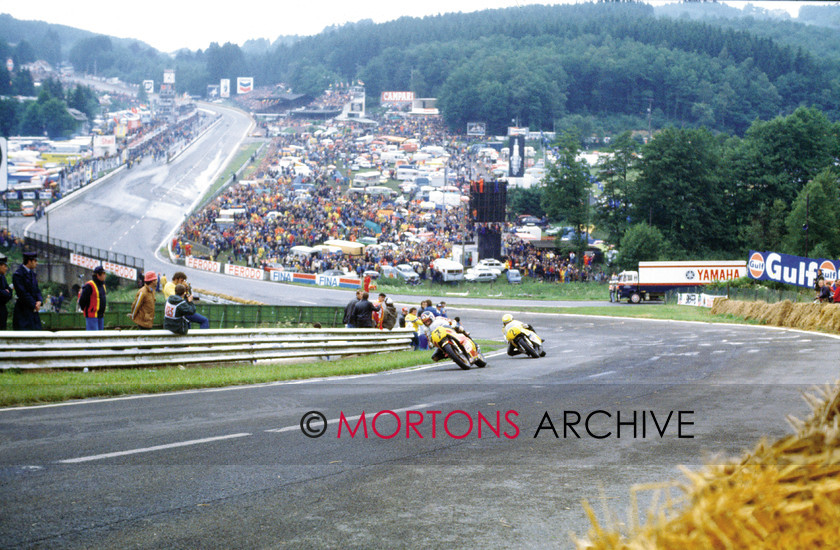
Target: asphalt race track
(232,467)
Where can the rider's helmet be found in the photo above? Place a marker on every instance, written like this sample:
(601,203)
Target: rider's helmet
(507,318)
(427,317)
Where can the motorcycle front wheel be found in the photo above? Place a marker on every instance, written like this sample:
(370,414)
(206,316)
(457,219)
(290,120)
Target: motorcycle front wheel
(455,354)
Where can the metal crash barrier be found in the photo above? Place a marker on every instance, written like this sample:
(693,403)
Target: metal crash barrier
(134,348)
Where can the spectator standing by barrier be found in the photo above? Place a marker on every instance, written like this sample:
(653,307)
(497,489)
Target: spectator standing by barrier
(92,300)
(5,292)
(349,315)
(178,309)
(389,315)
(169,289)
(143,307)
(363,312)
(29,299)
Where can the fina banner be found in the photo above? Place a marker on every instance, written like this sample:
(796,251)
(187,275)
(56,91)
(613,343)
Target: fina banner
(791,270)
(517,156)
(244,85)
(224,87)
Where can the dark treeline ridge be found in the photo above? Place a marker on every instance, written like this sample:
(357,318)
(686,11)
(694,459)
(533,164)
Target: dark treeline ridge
(540,64)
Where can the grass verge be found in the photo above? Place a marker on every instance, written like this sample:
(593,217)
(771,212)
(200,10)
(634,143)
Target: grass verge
(36,387)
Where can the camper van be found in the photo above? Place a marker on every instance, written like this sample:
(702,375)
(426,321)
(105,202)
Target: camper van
(365,179)
(406,173)
(450,271)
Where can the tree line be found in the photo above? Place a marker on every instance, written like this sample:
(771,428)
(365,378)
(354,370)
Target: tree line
(550,67)
(692,194)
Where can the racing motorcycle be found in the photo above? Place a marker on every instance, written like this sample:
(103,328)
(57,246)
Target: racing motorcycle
(524,339)
(460,348)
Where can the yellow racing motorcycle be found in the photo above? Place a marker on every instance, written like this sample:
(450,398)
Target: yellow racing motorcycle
(522,338)
(458,347)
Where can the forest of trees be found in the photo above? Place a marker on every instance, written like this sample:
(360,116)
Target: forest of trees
(690,194)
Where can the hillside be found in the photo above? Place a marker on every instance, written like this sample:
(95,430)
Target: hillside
(598,66)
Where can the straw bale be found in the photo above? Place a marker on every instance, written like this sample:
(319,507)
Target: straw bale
(805,316)
(784,494)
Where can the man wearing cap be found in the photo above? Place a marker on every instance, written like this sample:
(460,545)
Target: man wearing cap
(29,299)
(143,307)
(92,300)
(5,292)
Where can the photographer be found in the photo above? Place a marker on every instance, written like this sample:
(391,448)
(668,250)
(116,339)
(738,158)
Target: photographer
(180,278)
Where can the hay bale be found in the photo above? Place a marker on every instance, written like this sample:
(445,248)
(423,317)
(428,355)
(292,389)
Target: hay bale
(778,312)
(780,495)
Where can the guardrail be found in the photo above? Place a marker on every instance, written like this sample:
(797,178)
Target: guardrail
(125,349)
(220,316)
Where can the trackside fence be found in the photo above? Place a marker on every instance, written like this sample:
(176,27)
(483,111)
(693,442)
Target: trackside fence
(127,349)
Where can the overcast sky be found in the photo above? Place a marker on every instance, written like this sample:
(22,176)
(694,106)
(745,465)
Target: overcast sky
(172,24)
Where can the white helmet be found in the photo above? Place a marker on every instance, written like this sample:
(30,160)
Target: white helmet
(427,317)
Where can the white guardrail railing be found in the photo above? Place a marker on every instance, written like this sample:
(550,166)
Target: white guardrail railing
(132,348)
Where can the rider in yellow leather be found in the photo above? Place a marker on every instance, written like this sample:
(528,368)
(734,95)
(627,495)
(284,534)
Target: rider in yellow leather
(507,318)
(428,318)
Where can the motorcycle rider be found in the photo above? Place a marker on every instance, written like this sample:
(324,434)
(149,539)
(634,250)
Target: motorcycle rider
(431,322)
(512,350)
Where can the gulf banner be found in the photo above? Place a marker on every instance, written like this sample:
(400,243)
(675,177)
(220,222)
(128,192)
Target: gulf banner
(149,86)
(311,279)
(204,265)
(791,270)
(122,271)
(244,84)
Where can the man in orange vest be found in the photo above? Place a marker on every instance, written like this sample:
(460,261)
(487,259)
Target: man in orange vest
(92,300)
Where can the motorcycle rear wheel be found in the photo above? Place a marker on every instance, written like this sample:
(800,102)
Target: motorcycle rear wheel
(527,347)
(455,354)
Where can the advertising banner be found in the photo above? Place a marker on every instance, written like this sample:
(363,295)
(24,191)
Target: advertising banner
(701,300)
(169,76)
(791,270)
(204,265)
(90,263)
(244,85)
(476,128)
(104,145)
(311,279)
(397,97)
(517,156)
(244,272)
(149,86)
(224,87)
(4,168)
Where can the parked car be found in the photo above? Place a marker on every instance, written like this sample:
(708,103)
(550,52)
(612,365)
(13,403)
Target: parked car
(514,276)
(372,273)
(480,276)
(407,272)
(492,264)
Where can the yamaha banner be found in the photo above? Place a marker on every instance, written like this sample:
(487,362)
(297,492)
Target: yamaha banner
(791,270)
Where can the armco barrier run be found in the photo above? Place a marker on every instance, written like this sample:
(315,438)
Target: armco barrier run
(126,349)
(219,315)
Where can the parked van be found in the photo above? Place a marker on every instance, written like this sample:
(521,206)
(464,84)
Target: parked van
(365,179)
(450,271)
(406,173)
(28,208)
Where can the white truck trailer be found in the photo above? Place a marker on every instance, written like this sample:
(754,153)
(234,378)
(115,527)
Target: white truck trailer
(654,279)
